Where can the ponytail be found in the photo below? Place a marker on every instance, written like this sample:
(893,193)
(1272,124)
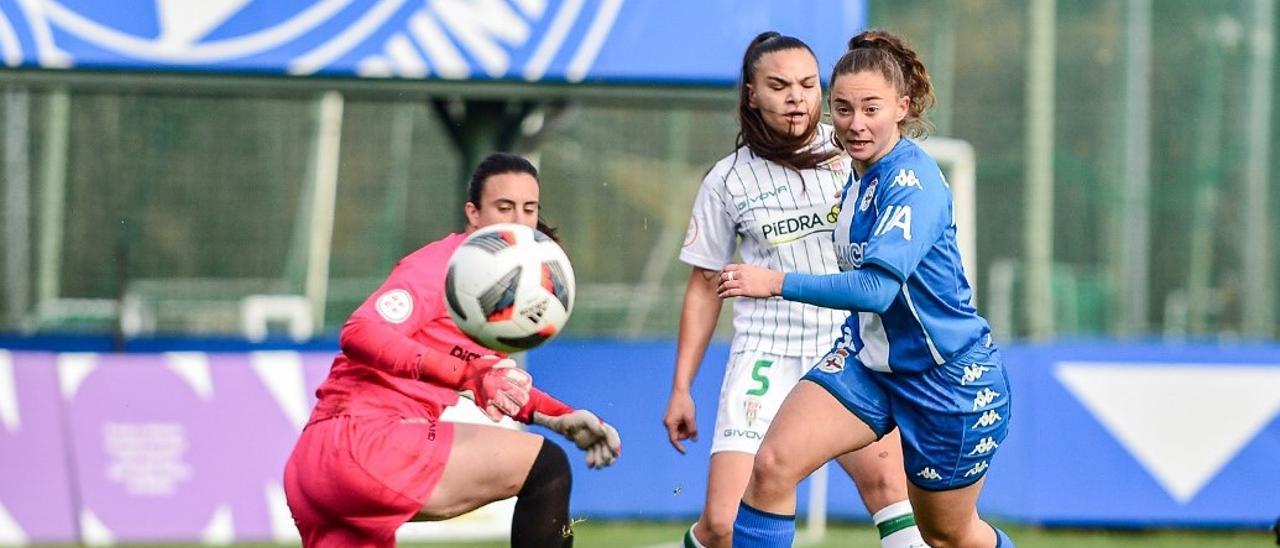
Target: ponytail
(892,57)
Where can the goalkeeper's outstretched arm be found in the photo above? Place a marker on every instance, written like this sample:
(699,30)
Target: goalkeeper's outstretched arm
(597,438)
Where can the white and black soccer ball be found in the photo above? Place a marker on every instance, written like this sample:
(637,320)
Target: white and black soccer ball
(509,287)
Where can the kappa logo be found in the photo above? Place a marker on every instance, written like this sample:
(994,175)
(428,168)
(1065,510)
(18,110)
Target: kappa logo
(972,373)
(977,469)
(984,446)
(984,398)
(987,419)
(907,179)
(451,39)
(929,473)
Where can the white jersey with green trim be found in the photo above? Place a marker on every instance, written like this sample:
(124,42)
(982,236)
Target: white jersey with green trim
(779,218)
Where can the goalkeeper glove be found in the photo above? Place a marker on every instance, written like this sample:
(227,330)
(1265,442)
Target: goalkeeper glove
(599,439)
(497,386)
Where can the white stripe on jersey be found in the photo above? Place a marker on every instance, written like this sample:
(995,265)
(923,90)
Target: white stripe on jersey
(779,216)
(928,341)
(875,343)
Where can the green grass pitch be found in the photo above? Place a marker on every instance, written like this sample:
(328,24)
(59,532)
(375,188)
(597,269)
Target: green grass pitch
(591,534)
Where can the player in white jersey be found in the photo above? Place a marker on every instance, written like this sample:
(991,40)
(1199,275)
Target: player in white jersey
(915,355)
(775,194)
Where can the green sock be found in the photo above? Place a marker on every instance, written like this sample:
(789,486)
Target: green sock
(691,541)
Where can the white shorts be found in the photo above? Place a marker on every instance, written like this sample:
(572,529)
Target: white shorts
(753,389)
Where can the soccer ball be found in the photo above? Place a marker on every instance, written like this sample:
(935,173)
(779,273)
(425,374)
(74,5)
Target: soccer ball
(509,287)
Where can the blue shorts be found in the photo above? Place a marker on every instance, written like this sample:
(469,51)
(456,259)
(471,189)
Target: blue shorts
(952,417)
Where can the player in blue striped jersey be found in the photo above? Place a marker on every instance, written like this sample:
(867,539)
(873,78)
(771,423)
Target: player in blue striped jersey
(914,354)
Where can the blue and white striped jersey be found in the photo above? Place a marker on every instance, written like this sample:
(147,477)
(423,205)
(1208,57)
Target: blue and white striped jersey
(899,217)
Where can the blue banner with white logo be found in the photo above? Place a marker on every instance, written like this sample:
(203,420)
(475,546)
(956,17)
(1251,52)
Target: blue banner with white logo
(613,41)
(1141,434)
(1100,434)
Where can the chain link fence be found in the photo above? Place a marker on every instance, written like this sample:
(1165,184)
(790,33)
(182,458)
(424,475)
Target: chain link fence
(161,209)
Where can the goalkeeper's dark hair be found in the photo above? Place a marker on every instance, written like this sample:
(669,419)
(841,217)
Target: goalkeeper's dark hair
(499,163)
(754,133)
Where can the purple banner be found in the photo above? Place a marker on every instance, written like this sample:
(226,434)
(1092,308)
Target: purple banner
(185,446)
(35,491)
(163,447)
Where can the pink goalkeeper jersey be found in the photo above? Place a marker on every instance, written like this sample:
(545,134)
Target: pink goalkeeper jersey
(410,303)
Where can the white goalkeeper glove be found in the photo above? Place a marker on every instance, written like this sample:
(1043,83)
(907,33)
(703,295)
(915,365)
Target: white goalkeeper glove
(599,439)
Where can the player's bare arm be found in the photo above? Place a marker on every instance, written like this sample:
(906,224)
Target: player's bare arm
(698,317)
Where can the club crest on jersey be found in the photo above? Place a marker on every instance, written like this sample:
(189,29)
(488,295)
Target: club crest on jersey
(395,306)
(833,362)
(868,195)
(751,408)
(691,235)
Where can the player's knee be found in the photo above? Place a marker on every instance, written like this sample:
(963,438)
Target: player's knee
(774,469)
(881,486)
(550,473)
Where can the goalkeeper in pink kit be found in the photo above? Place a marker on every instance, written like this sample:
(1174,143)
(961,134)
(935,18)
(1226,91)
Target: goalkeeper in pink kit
(374,453)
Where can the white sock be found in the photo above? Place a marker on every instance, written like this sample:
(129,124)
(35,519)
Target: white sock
(897,526)
(691,541)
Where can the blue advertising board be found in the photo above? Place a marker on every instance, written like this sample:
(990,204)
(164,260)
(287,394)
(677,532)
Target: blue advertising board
(1101,434)
(607,41)
(1141,435)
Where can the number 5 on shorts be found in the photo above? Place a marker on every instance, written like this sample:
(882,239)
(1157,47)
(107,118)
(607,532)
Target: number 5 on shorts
(758,375)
